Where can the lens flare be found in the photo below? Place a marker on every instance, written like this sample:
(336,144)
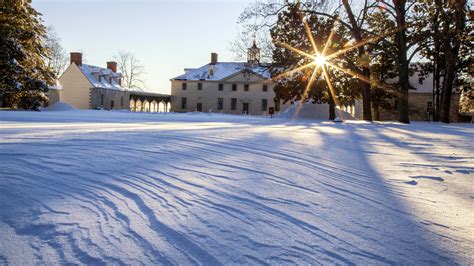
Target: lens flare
(321,60)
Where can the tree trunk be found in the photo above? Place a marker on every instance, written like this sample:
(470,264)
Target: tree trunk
(403,73)
(376,110)
(447,86)
(356,33)
(452,44)
(366,98)
(332,109)
(436,66)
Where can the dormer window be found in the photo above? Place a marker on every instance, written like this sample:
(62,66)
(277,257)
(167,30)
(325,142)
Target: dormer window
(211,70)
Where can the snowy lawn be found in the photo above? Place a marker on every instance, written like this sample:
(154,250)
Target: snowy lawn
(110,187)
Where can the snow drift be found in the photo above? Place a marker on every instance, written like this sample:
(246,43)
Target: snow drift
(59,106)
(312,111)
(92,187)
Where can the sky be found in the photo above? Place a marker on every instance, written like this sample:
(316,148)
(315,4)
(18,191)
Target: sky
(166,36)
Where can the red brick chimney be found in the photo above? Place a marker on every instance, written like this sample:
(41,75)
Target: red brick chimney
(213,58)
(112,66)
(76,58)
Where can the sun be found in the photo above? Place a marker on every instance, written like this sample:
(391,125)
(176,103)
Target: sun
(319,60)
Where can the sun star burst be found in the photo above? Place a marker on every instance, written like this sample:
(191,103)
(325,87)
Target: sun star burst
(320,61)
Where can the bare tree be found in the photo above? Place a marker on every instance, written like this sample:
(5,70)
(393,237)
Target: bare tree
(245,40)
(57,59)
(257,20)
(454,16)
(132,70)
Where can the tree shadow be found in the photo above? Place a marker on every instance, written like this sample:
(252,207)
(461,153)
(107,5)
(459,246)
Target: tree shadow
(259,196)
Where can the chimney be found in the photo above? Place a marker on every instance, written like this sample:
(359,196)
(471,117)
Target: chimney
(112,66)
(213,58)
(76,58)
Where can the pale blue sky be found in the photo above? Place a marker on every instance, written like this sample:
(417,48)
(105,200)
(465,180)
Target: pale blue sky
(166,36)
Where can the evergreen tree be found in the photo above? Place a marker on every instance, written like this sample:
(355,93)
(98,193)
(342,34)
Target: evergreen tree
(357,31)
(289,29)
(23,72)
(383,62)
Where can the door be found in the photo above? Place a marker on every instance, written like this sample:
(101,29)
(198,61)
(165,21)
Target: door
(199,107)
(245,108)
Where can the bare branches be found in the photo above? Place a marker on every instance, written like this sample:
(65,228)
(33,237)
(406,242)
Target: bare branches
(131,69)
(257,20)
(57,59)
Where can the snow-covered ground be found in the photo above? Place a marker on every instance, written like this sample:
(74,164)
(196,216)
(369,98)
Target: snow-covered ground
(115,187)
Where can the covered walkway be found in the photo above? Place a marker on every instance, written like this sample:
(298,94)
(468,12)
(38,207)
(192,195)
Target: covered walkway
(149,102)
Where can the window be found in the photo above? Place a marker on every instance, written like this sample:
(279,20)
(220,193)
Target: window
(121,101)
(233,104)
(277,105)
(183,102)
(102,99)
(246,87)
(199,86)
(234,87)
(264,104)
(265,88)
(221,86)
(111,104)
(220,103)
(429,108)
(184,86)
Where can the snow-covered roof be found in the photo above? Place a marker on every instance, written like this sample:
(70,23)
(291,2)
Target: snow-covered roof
(57,87)
(222,70)
(94,72)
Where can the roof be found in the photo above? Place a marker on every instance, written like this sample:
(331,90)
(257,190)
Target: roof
(223,70)
(105,83)
(57,87)
(147,93)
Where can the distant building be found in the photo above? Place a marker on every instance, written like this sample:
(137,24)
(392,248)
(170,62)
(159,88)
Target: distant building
(92,87)
(421,101)
(226,87)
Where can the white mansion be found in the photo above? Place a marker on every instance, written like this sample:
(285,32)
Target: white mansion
(226,87)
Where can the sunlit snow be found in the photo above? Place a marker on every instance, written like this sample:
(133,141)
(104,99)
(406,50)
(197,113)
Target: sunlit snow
(94,187)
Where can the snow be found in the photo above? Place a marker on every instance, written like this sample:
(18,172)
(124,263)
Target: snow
(222,70)
(92,187)
(312,111)
(90,70)
(59,106)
